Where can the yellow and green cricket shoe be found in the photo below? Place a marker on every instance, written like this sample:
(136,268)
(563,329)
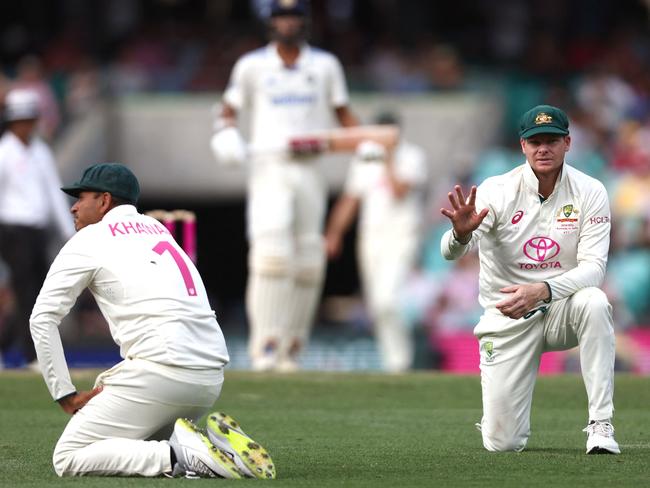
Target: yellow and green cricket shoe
(249,456)
(197,457)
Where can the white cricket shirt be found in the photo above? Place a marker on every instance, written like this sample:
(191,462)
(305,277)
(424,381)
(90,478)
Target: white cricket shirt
(284,102)
(381,210)
(563,240)
(147,288)
(30,192)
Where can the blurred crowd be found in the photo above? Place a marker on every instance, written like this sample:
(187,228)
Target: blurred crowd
(590,58)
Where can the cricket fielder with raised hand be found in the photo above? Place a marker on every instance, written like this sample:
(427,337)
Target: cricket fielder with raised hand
(542,232)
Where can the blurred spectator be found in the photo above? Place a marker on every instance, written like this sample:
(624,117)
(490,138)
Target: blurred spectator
(83,88)
(631,148)
(443,67)
(606,98)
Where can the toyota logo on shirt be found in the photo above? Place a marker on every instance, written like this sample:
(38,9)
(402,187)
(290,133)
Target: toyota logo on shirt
(541,249)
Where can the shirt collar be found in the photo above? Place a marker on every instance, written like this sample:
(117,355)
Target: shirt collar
(272,50)
(121,210)
(532,182)
(16,141)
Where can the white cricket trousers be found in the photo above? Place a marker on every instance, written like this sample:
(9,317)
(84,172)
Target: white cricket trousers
(119,431)
(385,262)
(285,213)
(510,355)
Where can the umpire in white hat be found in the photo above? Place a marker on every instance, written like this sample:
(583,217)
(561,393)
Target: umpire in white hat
(30,205)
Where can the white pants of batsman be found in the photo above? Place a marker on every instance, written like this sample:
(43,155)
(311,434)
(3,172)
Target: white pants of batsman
(286,210)
(123,430)
(510,356)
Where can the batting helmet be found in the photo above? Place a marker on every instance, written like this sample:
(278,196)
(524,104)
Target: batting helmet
(289,7)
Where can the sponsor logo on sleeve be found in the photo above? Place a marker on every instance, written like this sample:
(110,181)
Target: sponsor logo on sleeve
(604,219)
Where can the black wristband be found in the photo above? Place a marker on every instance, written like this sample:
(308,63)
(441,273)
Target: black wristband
(550,293)
(453,233)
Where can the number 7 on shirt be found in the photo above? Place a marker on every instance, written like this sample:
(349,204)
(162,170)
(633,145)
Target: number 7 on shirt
(163,246)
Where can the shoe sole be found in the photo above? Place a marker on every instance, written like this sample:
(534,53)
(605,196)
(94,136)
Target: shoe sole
(217,455)
(225,433)
(602,450)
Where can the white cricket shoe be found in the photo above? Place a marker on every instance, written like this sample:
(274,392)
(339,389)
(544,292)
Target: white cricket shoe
(196,457)
(600,438)
(250,457)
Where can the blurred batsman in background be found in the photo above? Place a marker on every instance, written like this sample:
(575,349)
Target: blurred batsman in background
(173,350)
(30,207)
(542,231)
(388,186)
(286,88)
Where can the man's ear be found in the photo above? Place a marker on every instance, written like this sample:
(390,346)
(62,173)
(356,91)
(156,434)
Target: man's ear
(106,202)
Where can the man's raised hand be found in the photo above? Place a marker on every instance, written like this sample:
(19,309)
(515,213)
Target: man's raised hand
(463,214)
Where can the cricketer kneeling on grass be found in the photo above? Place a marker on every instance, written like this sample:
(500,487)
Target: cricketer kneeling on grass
(543,236)
(156,306)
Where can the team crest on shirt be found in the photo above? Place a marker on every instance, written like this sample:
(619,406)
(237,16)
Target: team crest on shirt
(566,219)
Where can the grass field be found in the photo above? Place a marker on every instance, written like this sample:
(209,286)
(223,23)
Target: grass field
(365,430)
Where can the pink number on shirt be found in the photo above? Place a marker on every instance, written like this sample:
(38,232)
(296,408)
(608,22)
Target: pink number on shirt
(163,246)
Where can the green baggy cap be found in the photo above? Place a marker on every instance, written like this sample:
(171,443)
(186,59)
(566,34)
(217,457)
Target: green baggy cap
(543,119)
(114,178)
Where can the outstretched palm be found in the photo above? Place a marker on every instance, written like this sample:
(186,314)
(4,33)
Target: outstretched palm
(463,214)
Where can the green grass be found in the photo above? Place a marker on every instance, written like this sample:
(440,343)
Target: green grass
(365,430)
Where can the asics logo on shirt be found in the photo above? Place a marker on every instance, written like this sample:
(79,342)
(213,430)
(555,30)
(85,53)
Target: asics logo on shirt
(541,249)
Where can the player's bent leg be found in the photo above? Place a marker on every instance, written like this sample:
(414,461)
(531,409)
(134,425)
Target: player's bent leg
(505,426)
(508,372)
(250,457)
(108,436)
(268,295)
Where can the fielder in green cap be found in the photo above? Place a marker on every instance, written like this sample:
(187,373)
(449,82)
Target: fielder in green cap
(544,232)
(138,418)
(100,188)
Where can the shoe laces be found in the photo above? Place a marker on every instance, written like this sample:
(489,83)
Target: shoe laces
(600,428)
